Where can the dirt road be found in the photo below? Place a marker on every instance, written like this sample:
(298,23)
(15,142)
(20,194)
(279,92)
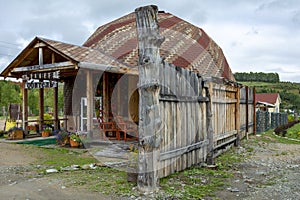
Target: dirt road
(20,180)
(270,170)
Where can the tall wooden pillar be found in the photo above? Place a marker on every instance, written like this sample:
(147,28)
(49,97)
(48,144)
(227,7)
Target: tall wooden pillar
(24,107)
(149,89)
(55,99)
(41,108)
(41,93)
(105,98)
(90,102)
(55,113)
(237,116)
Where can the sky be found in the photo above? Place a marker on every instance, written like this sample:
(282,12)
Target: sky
(255,35)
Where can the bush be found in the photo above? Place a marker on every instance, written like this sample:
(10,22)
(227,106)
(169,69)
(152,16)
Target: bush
(47,116)
(281,130)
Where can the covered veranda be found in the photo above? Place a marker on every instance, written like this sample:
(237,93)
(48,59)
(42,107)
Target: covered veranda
(95,85)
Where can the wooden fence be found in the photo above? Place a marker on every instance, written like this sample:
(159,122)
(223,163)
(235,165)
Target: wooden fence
(199,117)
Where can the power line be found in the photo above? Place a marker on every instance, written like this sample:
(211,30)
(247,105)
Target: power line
(6,55)
(8,47)
(9,43)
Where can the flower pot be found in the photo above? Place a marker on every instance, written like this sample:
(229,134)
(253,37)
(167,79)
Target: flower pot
(45,134)
(74,144)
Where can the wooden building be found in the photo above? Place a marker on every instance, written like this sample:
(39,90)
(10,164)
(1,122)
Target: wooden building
(188,107)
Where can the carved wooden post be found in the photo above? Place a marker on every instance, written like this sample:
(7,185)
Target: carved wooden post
(209,125)
(149,114)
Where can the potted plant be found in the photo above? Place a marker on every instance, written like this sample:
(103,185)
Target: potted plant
(63,138)
(15,133)
(75,140)
(46,132)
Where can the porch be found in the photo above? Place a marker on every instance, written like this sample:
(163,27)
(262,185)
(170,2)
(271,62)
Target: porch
(100,94)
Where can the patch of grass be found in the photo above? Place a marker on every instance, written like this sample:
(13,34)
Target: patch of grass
(105,180)
(194,183)
(269,137)
(60,157)
(294,132)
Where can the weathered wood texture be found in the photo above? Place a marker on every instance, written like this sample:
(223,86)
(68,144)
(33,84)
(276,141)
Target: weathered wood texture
(149,42)
(184,119)
(199,117)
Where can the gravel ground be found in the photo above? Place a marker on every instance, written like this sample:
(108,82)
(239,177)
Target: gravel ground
(270,171)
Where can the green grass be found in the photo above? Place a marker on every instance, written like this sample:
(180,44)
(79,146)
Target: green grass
(294,132)
(62,157)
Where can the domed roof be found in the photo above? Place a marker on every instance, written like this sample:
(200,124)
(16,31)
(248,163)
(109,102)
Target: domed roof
(185,45)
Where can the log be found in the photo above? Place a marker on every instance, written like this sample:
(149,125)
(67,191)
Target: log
(149,42)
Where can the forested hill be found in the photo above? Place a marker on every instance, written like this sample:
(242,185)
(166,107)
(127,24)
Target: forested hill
(257,76)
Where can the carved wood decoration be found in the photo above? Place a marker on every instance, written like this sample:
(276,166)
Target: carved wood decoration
(149,42)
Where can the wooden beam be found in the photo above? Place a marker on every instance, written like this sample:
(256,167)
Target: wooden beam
(41,95)
(24,107)
(90,102)
(209,125)
(149,42)
(55,99)
(53,66)
(237,116)
(41,108)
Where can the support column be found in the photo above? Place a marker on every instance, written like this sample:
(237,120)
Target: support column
(149,89)
(237,116)
(41,94)
(209,125)
(90,102)
(254,111)
(24,107)
(55,113)
(105,97)
(41,108)
(55,99)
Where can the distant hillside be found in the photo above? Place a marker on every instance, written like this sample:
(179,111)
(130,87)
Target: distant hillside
(289,92)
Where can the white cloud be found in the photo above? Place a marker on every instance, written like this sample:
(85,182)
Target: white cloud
(256,35)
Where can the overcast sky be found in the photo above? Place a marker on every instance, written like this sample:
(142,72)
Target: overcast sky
(255,35)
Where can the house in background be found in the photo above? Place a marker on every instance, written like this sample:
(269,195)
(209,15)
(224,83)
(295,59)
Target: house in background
(268,102)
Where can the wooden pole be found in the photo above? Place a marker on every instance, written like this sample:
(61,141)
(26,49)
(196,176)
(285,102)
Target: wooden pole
(105,100)
(237,116)
(41,109)
(209,125)
(149,62)
(55,99)
(247,111)
(41,94)
(90,102)
(24,107)
(254,111)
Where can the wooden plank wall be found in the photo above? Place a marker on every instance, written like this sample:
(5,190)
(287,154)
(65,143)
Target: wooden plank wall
(183,128)
(184,113)
(224,110)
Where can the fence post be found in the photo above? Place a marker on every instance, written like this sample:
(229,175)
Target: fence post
(149,42)
(209,126)
(237,116)
(254,111)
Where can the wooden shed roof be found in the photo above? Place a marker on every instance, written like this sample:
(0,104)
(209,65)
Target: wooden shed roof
(68,58)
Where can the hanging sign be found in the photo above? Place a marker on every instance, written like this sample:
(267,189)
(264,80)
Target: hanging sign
(42,75)
(41,84)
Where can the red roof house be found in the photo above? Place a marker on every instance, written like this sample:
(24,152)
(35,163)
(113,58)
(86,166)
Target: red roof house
(268,101)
